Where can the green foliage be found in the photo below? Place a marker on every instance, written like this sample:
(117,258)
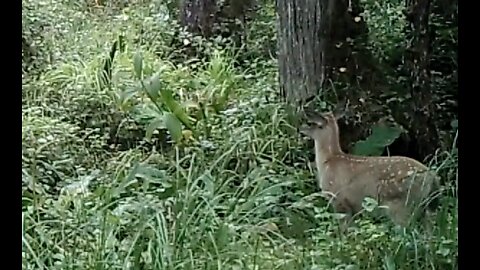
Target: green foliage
(388,37)
(237,196)
(173,125)
(202,94)
(105,74)
(381,137)
(369,204)
(156,93)
(387,23)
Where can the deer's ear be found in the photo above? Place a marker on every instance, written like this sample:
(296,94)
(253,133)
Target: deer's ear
(338,114)
(341,109)
(315,117)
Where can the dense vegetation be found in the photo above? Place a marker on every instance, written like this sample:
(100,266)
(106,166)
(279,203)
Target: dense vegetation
(144,147)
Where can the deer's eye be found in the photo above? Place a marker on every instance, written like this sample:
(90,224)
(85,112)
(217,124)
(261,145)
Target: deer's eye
(315,124)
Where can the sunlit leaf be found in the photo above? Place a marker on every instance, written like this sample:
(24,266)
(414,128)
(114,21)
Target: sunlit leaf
(175,108)
(138,64)
(174,126)
(369,204)
(154,125)
(153,87)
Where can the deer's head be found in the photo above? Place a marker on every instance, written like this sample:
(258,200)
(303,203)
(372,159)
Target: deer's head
(323,127)
(319,126)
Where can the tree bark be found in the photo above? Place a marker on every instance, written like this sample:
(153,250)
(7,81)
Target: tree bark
(322,43)
(198,16)
(319,41)
(423,126)
(232,19)
(301,54)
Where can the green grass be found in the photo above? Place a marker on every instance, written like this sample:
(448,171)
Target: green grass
(239,196)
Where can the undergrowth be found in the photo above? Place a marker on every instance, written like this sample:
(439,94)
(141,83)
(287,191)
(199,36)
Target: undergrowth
(108,185)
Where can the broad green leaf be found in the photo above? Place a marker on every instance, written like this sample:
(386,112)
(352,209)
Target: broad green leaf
(385,135)
(173,125)
(138,64)
(364,149)
(175,107)
(381,137)
(369,204)
(153,87)
(154,125)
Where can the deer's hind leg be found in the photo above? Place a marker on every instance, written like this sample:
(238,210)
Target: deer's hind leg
(399,212)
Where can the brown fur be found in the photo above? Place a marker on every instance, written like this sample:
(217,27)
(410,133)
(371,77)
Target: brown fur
(400,183)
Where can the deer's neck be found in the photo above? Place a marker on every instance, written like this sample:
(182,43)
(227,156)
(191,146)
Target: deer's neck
(323,152)
(322,155)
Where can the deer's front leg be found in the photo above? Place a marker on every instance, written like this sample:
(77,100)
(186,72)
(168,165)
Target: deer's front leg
(342,206)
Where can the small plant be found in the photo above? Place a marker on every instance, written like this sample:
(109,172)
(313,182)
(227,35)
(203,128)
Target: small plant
(382,136)
(183,118)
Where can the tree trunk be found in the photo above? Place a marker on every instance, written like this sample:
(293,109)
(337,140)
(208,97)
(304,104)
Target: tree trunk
(423,126)
(198,16)
(323,43)
(301,54)
(320,41)
(232,19)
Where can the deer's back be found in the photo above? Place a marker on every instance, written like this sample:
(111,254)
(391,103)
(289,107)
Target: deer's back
(354,178)
(400,177)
